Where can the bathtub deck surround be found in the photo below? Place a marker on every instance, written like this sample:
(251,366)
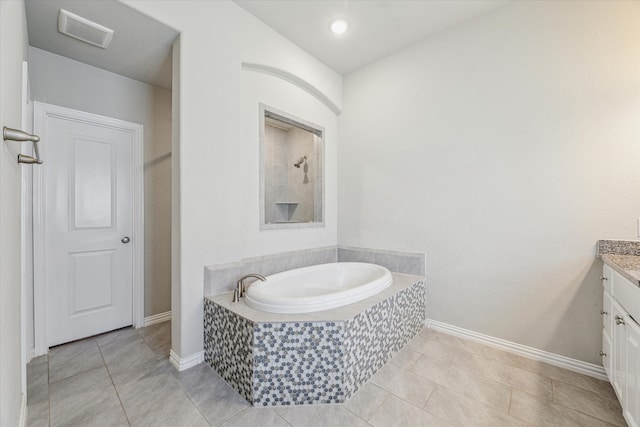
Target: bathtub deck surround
(220,278)
(321,357)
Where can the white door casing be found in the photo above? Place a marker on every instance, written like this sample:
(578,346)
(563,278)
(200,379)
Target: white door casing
(87,197)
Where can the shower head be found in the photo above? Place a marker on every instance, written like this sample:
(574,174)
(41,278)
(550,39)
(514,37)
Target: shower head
(299,162)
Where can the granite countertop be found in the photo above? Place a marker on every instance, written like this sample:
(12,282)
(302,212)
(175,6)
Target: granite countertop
(627,265)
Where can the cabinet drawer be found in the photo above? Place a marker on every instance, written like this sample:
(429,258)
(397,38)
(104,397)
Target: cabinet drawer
(627,294)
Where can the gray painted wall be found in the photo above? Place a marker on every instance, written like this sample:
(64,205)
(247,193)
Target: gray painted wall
(60,81)
(504,148)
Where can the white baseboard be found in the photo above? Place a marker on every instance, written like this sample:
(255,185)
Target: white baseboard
(157,318)
(23,411)
(182,364)
(575,365)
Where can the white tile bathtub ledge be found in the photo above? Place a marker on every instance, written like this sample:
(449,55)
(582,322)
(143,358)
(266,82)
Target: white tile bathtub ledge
(184,363)
(554,359)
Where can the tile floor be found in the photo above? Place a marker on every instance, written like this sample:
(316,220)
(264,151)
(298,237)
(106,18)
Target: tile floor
(124,378)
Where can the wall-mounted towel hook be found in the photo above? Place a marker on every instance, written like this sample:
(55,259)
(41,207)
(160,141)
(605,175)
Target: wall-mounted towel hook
(9,134)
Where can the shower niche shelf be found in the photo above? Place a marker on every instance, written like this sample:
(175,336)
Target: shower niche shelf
(287,209)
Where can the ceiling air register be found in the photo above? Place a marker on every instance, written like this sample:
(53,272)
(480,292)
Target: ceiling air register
(82,29)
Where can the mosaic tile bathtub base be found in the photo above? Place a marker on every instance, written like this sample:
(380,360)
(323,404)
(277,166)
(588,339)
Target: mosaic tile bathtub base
(302,362)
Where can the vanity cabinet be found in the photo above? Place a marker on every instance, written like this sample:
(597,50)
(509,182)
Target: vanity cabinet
(621,341)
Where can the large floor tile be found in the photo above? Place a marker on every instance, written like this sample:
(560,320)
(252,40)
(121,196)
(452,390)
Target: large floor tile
(366,401)
(436,379)
(213,396)
(83,397)
(127,353)
(473,386)
(434,349)
(38,414)
(157,400)
(257,417)
(38,383)
(404,384)
(117,335)
(405,358)
(505,374)
(543,413)
(74,358)
(427,333)
(417,342)
(531,365)
(397,412)
(158,338)
(597,405)
(576,379)
(140,372)
(460,410)
(322,416)
(460,343)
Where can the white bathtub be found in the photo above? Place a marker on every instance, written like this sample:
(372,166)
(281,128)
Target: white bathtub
(317,288)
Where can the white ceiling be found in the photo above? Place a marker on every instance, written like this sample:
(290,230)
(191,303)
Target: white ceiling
(141,46)
(140,49)
(378,28)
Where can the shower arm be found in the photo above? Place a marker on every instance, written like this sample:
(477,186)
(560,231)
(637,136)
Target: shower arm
(9,134)
(302,160)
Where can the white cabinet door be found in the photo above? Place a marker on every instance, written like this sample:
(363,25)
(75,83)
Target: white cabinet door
(631,405)
(619,338)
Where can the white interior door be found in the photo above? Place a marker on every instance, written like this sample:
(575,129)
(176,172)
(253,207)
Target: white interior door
(88,201)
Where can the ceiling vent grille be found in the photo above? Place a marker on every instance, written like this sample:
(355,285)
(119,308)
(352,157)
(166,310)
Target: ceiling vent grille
(82,29)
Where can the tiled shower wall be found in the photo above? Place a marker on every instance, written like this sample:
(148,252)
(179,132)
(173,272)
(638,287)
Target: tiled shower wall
(276,176)
(302,143)
(223,277)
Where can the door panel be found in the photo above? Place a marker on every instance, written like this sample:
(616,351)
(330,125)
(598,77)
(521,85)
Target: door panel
(93,176)
(91,280)
(89,209)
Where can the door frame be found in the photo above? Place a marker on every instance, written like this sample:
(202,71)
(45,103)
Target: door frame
(41,112)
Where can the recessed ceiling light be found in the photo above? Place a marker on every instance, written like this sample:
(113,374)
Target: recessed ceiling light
(339,26)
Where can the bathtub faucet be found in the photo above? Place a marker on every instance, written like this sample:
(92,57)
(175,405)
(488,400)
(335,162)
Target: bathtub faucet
(242,287)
